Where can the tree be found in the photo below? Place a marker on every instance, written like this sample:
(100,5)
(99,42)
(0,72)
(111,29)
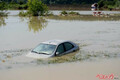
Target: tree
(2,5)
(101,3)
(36,8)
(117,3)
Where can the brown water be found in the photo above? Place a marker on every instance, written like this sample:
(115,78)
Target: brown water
(66,71)
(97,39)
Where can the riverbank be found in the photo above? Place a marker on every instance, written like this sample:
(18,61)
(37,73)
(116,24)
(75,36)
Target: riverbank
(66,71)
(70,7)
(76,7)
(82,7)
(105,17)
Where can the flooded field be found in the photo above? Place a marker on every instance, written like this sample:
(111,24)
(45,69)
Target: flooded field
(98,39)
(66,71)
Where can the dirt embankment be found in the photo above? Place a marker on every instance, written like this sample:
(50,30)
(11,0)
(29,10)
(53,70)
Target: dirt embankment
(76,7)
(69,7)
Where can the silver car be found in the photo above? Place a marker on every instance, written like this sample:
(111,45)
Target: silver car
(52,48)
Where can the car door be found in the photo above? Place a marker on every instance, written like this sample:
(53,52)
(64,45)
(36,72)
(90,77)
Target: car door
(68,47)
(60,50)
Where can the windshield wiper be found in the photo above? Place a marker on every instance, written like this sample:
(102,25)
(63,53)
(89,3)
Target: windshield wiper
(40,53)
(44,53)
(34,51)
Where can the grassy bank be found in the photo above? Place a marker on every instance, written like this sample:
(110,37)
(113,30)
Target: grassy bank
(85,17)
(70,15)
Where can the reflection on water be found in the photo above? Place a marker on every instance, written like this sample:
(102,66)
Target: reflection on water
(2,21)
(36,24)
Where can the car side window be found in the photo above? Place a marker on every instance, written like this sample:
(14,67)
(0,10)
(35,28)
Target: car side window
(60,49)
(68,46)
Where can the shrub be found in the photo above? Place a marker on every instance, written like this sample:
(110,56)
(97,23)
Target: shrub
(69,13)
(74,13)
(23,13)
(101,3)
(2,21)
(37,8)
(50,14)
(3,13)
(3,6)
(64,13)
(23,6)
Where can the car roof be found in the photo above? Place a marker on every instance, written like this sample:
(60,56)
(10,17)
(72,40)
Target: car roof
(54,42)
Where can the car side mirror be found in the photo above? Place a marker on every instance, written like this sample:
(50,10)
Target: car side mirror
(57,53)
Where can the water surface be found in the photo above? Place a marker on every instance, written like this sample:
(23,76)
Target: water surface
(57,12)
(18,35)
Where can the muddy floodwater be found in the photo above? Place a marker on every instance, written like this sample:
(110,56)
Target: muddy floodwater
(97,39)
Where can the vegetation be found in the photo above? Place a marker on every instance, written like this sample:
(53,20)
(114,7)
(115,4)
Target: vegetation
(22,13)
(37,8)
(54,2)
(3,13)
(71,2)
(3,7)
(65,13)
(109,4)
(74,13)
(17,6)
(86,17)
(7,4)
(2,21)
(103,4)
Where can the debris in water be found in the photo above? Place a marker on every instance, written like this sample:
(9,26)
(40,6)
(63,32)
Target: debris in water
(3,61)
(8,56)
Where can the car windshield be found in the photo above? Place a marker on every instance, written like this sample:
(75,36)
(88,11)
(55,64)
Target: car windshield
(44,49)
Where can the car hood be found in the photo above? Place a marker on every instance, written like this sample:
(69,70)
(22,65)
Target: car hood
(38,56)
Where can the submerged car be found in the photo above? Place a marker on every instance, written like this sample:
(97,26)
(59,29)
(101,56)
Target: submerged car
(52,48)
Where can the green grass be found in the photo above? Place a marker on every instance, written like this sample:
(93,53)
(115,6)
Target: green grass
(23,14)
(84,17)
(3,13)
